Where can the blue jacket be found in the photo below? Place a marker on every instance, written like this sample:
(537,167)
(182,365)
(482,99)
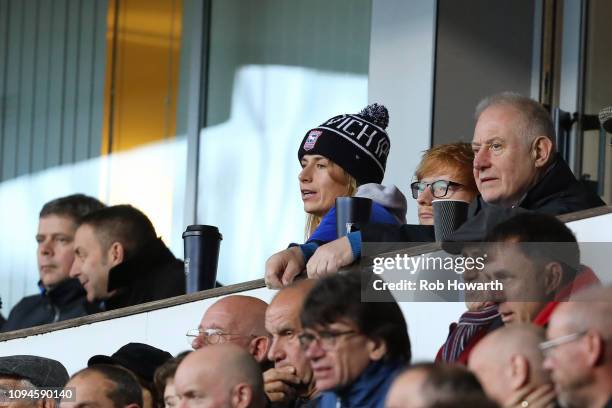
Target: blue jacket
(369,390)
(388,208)
(326,231)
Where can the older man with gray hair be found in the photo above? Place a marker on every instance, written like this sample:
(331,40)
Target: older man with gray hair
(579,350)
(23,377)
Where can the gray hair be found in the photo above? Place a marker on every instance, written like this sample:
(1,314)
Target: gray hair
(534,118)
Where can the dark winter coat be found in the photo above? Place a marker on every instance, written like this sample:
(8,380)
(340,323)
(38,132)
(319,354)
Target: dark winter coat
(558,192)
(153,273)
(65,301)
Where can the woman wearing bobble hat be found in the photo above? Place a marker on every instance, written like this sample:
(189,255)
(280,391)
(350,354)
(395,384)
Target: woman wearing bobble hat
(344,156)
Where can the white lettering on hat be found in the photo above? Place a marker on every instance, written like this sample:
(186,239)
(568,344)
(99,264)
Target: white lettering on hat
(342,120)
(383,148)
(358,145)
(369,136)
(346,127)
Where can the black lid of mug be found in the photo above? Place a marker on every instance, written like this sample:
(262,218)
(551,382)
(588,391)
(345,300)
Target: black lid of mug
(208,230)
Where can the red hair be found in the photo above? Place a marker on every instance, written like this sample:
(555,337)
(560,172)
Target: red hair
(456,158)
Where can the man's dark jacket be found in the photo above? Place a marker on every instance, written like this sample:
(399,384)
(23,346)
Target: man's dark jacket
(65,301)
(153,273)
(558,192)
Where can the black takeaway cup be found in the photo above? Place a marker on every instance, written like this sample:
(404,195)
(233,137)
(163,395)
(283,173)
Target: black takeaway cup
(351,211)
(201,244)
(448,215)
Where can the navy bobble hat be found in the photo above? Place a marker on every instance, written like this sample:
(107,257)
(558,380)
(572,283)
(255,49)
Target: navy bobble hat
(358,143)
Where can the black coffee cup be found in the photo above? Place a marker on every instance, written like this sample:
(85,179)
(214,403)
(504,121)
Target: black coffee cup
(202,244)
(351,211)
(448,215)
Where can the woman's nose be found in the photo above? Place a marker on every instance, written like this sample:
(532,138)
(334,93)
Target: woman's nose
(305,174)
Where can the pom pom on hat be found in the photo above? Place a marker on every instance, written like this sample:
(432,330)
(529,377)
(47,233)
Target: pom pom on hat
(377,114)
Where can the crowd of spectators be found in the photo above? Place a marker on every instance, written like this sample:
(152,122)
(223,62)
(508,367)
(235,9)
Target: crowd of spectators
(541,341)
(327,348)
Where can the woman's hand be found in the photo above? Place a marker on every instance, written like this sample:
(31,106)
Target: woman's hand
(283,267)
(330,257)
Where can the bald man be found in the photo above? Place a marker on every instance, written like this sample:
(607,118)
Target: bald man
(291,381)
(220,376)
(238,320)
(508,364)
(427,384)
(579,350)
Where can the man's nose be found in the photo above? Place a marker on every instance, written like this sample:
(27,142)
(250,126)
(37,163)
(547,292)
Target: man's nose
(45,248)
(425,197)
(182,403)
(276,353)
(314,351)
(75,270)
(547,363)
(481,159)
(197,343)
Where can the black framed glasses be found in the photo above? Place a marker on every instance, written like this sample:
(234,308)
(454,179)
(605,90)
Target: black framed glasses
(439,188)
(326,338)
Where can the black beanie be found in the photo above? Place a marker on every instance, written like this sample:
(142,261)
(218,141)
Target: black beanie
(356,142)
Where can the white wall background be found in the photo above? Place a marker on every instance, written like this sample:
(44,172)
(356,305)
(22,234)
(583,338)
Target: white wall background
(150,178)
(402,46)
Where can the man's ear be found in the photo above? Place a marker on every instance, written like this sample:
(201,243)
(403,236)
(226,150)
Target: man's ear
(116,253)
(553,277)
(377,349)
(241,396)
(518,371)
(541,150)
(595,348)
(259,348)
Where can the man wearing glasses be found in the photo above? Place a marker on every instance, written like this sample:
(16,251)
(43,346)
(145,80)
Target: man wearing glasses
(235,319)
(578,352)
(355,348)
